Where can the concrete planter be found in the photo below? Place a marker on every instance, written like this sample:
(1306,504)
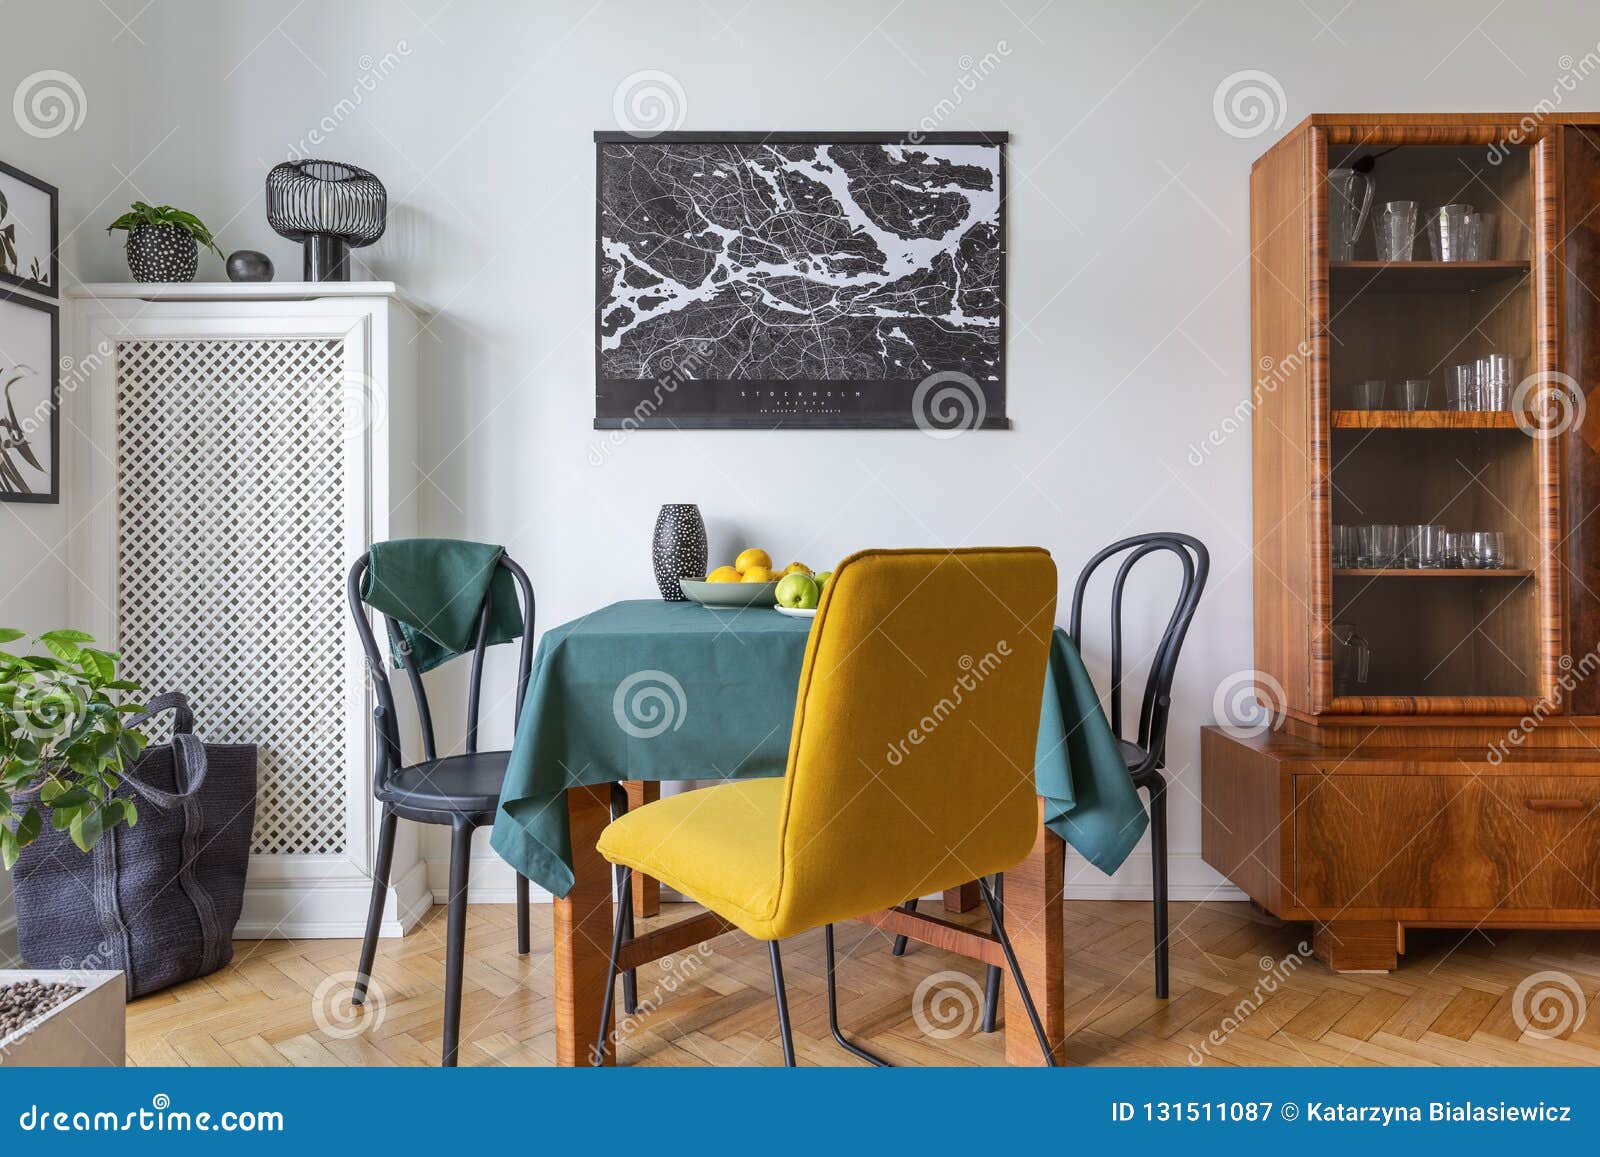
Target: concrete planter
(87,1029)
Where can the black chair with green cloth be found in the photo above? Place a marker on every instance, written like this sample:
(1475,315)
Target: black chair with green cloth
(440,598)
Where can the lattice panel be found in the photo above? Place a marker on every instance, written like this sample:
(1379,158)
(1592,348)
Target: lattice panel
(230,457)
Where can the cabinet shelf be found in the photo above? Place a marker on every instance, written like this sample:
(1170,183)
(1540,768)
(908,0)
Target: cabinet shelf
(1385,572)
(1424,420)
(1423,276)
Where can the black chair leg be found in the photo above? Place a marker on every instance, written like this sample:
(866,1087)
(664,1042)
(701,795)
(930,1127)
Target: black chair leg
(630,978)
(1158,877)
(782,996)
(833,1008)
(380,893)
(991,980)
(523,944)
(604,1036)
(455,950)
(901,941)
(1016,972)
(624,897)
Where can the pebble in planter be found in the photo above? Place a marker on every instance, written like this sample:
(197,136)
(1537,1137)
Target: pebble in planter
(163,242)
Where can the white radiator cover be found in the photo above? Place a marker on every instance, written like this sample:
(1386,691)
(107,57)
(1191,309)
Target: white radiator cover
(241,445)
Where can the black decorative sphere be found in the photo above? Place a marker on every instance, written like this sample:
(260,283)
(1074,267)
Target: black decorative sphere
(158,253)
(249,265)
(330,207)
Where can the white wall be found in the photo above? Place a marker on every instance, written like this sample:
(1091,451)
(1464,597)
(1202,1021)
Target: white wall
(1128,232)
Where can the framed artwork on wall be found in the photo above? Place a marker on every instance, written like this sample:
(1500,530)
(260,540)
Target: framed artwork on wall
(30,400)
(29,232)
(824,280)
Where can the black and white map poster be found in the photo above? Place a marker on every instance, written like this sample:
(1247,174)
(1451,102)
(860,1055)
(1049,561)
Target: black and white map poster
(800,279)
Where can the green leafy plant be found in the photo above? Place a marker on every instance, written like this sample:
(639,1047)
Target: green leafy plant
(63,746)
(142,214)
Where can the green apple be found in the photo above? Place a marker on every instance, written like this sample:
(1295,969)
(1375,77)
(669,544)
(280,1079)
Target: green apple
(822,579)
(798,591)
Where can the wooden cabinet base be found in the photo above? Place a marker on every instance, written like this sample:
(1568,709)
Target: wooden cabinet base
(1364,840)
(1358,945)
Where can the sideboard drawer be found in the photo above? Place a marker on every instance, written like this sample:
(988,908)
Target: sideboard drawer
(1446,841)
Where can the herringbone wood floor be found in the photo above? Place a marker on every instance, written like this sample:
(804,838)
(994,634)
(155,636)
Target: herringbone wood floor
(1452,1002)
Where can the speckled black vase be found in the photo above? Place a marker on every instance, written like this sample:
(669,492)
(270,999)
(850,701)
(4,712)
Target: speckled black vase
(158,253)
(679,549)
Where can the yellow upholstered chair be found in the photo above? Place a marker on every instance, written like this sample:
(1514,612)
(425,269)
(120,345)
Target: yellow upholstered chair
(910,762)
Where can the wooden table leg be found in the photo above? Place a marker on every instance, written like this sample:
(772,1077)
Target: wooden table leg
(583,927)
(646,891)
(962,899)
(1035,921)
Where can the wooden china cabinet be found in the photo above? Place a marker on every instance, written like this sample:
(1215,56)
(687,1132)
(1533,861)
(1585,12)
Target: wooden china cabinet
(1458,783)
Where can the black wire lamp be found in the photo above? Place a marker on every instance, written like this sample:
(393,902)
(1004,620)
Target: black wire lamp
(331,208)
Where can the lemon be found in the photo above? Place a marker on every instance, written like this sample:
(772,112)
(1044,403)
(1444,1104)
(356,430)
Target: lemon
(758,574)
(723,574)
(753,557)
(795,568)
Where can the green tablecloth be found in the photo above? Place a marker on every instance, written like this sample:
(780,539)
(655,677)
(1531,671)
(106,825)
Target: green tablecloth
(651,690)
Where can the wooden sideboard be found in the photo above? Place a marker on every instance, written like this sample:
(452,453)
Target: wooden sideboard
(1458,784)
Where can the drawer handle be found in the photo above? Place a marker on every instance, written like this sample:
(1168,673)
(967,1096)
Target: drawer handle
(1557,805)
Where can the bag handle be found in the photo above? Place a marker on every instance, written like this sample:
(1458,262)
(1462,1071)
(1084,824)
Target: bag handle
(188,754)
(174,701)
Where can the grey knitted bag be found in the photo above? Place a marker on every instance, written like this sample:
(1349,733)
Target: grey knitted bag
(160,900)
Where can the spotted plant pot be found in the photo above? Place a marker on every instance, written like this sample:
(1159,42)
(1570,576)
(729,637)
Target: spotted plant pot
(679,549)
(162,253)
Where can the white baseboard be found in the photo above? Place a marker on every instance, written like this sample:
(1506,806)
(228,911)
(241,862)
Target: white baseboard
(491,880)
(330,909)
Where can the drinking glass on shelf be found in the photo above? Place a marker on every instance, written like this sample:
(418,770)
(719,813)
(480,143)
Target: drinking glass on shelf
(1380,544)
(1489,549)
(1369,394)
(1450,550)
(1481,232)
(1414,394)
(1424,547)
(1346,548)
(1494,382)
(1464,386)
(1394,226)
(1447,232)
(1466,549)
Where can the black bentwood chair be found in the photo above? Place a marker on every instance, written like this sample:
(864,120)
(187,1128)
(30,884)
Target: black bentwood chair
(1146,757)
(462,791)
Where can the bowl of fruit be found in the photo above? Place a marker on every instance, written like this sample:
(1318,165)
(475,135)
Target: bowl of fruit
(751,582)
